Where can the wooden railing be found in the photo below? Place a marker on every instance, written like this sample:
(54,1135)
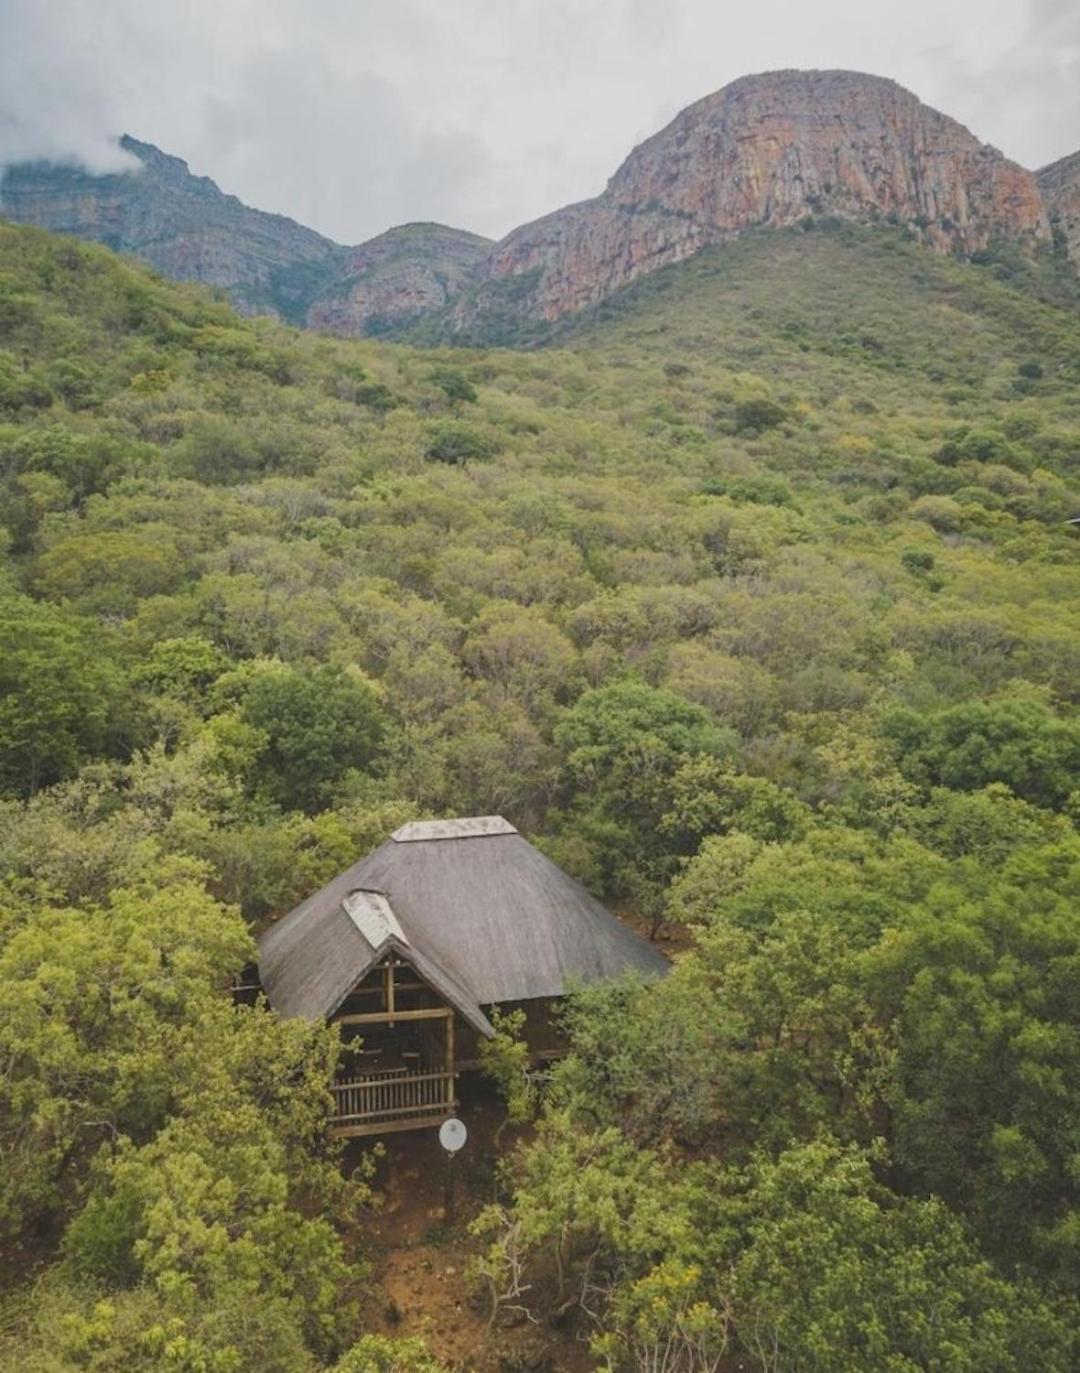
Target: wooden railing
(386,1097)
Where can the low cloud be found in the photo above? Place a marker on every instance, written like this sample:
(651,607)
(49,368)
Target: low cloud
(1025,99)
(55,97)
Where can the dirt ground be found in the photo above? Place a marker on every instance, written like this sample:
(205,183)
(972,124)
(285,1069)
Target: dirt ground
(420,1260)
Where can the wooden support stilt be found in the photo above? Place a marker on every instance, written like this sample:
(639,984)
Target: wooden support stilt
(451,1077)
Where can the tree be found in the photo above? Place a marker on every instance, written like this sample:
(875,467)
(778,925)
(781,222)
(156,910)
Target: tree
(616,727)
(58,690)
(520,651)
(822,1270)
(204,1213)
(757,414)
(376,1354)
(505,1059)
(319,723)
(454,385)
(95,1005)
(109,571)
(801,1261)
(624,745)
(981,978)
(183,668)
(709,797)
(457,444)
(1018,740)
(59,1326)
(750,1039)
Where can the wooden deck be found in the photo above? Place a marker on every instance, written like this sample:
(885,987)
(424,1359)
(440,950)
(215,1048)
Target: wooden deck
(379,1103)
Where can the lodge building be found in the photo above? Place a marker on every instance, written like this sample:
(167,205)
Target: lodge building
(410,949)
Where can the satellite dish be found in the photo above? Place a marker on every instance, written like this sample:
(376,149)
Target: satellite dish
(452,1134)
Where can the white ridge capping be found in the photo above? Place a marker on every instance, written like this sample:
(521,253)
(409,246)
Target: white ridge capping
(372,915)
(468,827)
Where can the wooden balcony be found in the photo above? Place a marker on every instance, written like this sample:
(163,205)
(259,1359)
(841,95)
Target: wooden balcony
(380,1102)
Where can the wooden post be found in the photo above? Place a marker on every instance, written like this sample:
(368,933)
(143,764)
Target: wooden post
(390,991)
(452,1083)
(448,1199)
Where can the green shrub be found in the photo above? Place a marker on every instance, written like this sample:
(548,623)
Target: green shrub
(456,443)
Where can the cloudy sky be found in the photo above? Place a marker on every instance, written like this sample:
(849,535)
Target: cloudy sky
(352,115)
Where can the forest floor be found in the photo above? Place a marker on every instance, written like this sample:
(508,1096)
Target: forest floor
(420,1262)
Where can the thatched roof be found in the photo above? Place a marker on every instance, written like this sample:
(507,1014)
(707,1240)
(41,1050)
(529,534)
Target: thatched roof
(481,914)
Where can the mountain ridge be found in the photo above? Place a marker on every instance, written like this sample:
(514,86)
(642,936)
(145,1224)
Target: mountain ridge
(188,229)
(768,150)
(182,225)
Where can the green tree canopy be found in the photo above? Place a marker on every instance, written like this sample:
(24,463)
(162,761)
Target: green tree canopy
(59,687)
(1019,741)
(319,723)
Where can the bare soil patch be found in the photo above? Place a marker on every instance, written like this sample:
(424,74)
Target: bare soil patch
(420,1261)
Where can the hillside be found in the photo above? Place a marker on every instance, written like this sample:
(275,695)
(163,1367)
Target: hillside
(752,599)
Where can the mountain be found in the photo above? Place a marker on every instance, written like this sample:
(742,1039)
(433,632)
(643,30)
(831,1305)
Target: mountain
(1060,187)
(188,229)
(182,225)
(769,151)
(415,270)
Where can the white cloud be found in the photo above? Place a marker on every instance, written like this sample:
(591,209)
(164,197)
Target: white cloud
(352,115)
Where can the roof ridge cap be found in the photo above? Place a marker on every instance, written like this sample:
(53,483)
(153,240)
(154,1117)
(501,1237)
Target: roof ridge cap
(458,827)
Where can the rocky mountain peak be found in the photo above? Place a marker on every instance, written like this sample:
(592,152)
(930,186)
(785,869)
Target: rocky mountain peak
(770,150)
(164,167)
(414,269)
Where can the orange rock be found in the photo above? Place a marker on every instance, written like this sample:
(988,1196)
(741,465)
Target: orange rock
(768,151)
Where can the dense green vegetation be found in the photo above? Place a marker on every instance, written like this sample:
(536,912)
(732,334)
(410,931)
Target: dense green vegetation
(754,602)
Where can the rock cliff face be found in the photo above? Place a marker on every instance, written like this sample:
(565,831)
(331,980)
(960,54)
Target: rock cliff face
(407,272)
(769,150)
(182,225)
(1060,186)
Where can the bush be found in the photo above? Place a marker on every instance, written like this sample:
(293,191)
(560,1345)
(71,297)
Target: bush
(457,444)
(756,415)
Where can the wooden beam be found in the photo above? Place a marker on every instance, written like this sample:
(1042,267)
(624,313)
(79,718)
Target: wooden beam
(390,1113)
(366,1079)
(381,1017)
(390,1127)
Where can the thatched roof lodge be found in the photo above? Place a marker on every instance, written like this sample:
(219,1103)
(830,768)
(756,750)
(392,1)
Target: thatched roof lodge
(410,947)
